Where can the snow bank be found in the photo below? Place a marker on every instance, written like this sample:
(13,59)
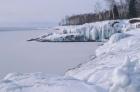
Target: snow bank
(98,31)
(111,43)
(126,78)
(116,37)
(38,82)
(109,69)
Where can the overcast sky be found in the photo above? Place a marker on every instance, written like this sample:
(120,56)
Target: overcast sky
(29,11)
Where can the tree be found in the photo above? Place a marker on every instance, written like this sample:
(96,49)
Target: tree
(115,12)
(97,9)
(132,9)
(112,3)
(123,8)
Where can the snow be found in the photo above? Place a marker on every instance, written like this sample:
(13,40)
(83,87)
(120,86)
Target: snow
(116,37)
(126,78)
(113,40)
(98,31)
(37,82)
(110,69)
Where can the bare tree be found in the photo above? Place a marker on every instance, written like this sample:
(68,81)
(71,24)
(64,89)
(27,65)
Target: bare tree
(97,9)
(124,5)
(111,4)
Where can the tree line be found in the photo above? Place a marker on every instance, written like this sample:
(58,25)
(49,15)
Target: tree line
(123,10)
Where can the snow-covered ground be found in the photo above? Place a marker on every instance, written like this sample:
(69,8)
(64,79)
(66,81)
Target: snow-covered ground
(19,55)
(117,65)
(38,82)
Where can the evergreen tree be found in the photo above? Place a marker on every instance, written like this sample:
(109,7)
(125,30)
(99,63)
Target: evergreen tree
(115,12)
(132,9)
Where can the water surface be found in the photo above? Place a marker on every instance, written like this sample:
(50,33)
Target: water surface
(19,55)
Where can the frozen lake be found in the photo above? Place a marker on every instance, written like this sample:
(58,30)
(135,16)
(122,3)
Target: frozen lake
(19,55)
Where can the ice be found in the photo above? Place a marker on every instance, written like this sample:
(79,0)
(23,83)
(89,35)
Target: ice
(19,55)
(116,37)
(110,44)
(98,31)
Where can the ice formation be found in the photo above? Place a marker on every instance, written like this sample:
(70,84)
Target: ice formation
(99,31)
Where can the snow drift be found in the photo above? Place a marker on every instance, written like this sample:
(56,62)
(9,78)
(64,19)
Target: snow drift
(38,82)
(99,31)
(126,78)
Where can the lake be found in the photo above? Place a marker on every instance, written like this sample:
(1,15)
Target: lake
(19,55)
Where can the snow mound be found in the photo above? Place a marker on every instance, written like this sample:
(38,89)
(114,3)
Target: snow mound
(38,82)
(126,78)
(98,31)
(116,37)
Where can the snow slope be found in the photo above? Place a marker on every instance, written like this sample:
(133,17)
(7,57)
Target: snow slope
(116,66)
(98,31)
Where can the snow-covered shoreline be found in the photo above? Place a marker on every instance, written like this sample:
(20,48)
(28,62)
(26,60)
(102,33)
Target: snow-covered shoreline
(116,68)
(92,32)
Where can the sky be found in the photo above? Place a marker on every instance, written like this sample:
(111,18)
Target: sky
(25,12)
